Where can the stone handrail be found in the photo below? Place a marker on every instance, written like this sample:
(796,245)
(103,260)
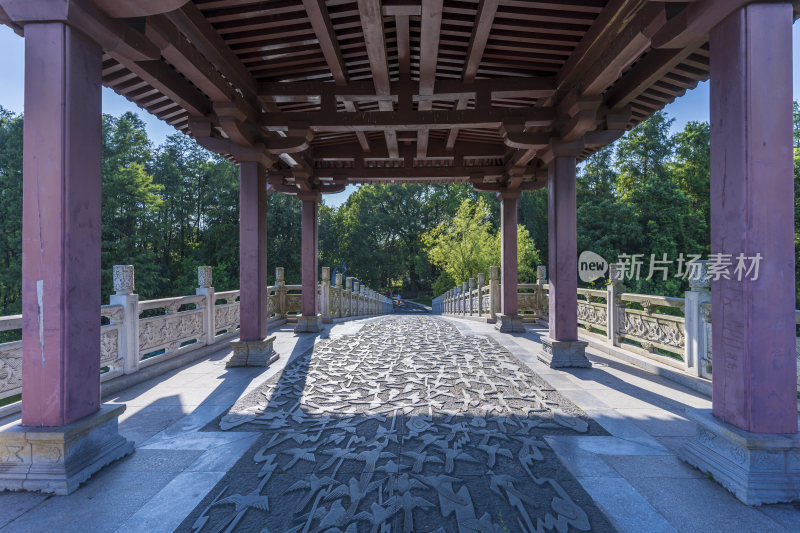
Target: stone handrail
(138,334)
(673,331)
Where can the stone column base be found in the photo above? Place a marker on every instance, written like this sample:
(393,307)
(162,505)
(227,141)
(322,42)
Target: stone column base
(308,324)
(757,468)
(252,353)
(510,324)
(58,459)
(564,354)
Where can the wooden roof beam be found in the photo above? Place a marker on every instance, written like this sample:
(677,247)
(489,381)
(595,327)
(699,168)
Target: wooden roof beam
(691,26)
(163,78)
(372,24)
(652,68)
(436,149)
(594,42)
(190,62)
(416,174)
(623,50)
(430,26)
(484,18)
(323,29)
(205,38)
(445,89)
(332,121)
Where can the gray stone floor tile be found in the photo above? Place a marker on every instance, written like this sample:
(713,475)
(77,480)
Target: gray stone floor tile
(579,461)
(14,504)
(101,504)
(626,508)
(652,466)
(661,423)
(700,505)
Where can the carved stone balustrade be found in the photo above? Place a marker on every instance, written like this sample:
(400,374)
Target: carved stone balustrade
(137,334)
(673,331)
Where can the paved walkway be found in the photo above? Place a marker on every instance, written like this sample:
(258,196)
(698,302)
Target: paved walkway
(184,456)
(409,425)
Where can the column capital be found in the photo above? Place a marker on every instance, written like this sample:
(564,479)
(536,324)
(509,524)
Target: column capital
(508,194)
(313,195)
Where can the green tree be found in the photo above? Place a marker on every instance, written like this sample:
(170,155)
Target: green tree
(10,212)
(466,245)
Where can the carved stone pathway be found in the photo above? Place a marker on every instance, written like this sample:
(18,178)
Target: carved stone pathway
(407,425)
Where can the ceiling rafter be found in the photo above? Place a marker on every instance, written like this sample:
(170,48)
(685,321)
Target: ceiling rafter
(372,24)
(430,27)
(484,18)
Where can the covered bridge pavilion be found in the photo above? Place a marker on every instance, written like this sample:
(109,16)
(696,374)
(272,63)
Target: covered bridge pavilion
(308,96)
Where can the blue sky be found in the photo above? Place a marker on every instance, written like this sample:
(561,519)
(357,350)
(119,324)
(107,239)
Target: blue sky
(692,106)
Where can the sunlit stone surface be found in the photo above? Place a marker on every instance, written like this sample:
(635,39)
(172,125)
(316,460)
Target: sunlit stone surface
(408,425)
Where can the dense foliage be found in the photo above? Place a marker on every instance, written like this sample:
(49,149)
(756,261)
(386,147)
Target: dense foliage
(170,208)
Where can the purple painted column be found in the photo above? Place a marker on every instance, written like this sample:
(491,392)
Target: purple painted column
(61,226)
(253,251)
(309,321)
(508,246)
(752,212)
(748,442)
(563,250)
(561,348)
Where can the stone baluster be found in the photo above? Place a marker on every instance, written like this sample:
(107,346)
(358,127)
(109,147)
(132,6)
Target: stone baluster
(349,296)
(339,290)
(325,296)
(541,299)
(280,288)
(614,310)
(356,298)
(494,294)
(481,283)
(129,329)
(205,288)
(471,290)
(699,293)
(464,297)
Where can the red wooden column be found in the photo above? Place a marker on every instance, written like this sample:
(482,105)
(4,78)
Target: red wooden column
(254,348)
(509,320)
(61,226)
(309,321)
(562,348)
(750,442)
(65,435)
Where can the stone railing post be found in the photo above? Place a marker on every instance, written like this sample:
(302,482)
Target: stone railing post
(325,296)
(129,328)
(348,296)
(339,294)
(471,289)
(541,281)
(464,297)
(280,287)
(494,293)
(205,288)
(699,293)
(614,312)
(481,283)
(356,298)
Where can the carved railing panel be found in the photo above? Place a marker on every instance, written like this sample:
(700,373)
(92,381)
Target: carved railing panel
(653,331)
(226,312)
(167,332)
(294,304)
(10,368)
